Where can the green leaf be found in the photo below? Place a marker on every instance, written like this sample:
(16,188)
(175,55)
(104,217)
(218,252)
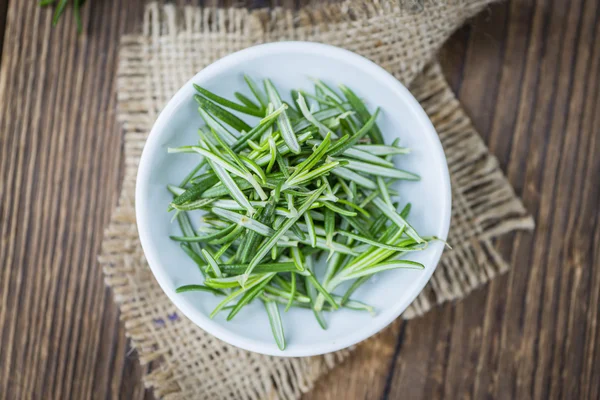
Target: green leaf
(323,130)
(228,103)
(211,261)
(193,205)
(238,269)
(60,9)
(186,228)
(216,126)
(276,324)
(328,91)
(197,288)
(203,238)
(247,102)
(196,190)
(379,244)
(363,113)
(245,221)
(312,294)
(381,150)
(233,188)
(292,292)
(256,91)
(311,229)
(247,298)
(250,283)
(398,220)
(283,121)
(313,159)
(360,180)
(339,149)
(373,169)
(384,266)
(329,226)
(222,114)
(367,157)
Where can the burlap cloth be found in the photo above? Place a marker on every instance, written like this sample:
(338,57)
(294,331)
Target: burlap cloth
(403,37)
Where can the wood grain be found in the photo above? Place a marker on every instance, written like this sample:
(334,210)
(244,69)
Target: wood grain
(528,74)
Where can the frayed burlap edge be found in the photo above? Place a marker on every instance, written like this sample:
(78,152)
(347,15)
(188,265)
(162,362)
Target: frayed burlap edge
(176,43)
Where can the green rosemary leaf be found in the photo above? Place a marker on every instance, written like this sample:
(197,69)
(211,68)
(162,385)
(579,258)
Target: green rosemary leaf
(247,298)
(215,125)
(355,206)
(339,149)
(312,294)
(212,262)
(256,91)
(292,292)
(376,243)
(193,205)
(238,269)
(367,157)
(385,266)
(313,281)
(197,288)
(360,180)
(204,238)
(363,113)
(60,9)
(311,175)
(327,91)
(286,294)
(323,130)
(311,229)
(355,285)
(186,228)
(255,132)
(381,150)
(339,210)
(247,102)
(232,188)
(222,114)
(276,324)
(283,121)
(383,191)
(250,283)
(373,169)
(329,226)
(244,221)
(398,220)
(228,103)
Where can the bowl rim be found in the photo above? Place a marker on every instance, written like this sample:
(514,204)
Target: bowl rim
(158,130)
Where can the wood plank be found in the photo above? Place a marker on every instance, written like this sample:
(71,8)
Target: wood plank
(3,14)
(530,333)
(363,376)
(60,162)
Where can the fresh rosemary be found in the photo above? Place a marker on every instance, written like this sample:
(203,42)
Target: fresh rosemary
(61,6)
(300,183)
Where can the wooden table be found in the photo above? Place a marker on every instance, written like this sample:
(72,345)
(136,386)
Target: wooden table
(527,72)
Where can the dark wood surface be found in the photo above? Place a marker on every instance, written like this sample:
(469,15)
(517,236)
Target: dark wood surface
(528,74)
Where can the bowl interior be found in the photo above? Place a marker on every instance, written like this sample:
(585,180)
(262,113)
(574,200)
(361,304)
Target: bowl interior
(290,66)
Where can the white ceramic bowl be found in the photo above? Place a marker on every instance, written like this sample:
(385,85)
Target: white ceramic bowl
(289,65)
